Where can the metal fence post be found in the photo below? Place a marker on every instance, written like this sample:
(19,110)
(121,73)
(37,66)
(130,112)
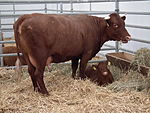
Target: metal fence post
(57,7)
(61,7)
(117,11)
(90,7)
(45,8)
(1,47)
(71,4)
(14,12)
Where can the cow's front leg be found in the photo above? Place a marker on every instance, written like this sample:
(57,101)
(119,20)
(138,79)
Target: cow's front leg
(74,67)
(83,64)
(82,68)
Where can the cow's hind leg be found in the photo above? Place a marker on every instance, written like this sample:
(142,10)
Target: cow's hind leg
(39,62)
(39,76)
(31,70)
(74,67)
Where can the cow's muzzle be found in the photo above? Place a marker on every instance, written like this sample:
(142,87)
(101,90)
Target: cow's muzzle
(126,39)
(105,73)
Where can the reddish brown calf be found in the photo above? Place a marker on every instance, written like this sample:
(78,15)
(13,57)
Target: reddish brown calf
(99,74)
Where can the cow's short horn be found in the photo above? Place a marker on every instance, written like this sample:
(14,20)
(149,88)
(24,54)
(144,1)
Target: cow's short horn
(107,18)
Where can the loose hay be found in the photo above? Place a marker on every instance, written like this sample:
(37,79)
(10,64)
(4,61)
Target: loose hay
(130,80)
(142,57)
(68,95)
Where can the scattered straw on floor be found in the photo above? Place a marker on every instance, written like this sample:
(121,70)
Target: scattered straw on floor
(68,95)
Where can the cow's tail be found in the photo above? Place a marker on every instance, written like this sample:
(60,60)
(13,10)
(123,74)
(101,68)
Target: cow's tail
(16,32)
(17,39)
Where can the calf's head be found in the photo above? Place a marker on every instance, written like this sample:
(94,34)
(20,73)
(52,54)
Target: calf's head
(103,73)
(116,28)
(99,74)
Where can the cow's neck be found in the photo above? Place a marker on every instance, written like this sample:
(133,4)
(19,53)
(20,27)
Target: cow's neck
(102,31)
(103,34)
(106,36)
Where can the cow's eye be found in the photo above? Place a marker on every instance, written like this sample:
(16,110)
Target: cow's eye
(115,25)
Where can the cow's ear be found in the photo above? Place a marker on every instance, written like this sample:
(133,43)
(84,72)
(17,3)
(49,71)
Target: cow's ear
(107,20)
(123,17)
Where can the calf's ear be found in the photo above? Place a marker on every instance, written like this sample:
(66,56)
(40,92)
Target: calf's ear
(94,67)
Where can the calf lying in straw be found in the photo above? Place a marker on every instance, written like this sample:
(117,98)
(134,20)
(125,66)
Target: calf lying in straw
(99,73)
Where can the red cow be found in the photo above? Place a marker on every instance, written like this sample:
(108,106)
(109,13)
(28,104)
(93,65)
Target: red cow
(46,38)
(99,74)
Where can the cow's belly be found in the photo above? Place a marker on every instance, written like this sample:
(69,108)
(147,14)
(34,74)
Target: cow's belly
(66,51)
(59,58)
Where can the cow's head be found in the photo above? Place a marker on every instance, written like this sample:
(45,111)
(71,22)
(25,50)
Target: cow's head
(116,28)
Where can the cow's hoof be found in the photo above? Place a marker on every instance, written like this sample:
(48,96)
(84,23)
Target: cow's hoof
(45,95)
(83,77)
(36,89)
(76,77)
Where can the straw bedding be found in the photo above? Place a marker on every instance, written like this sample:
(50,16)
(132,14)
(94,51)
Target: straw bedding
(130,93)
(71,96)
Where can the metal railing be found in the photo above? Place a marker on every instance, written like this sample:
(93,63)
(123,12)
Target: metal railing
(60,10)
